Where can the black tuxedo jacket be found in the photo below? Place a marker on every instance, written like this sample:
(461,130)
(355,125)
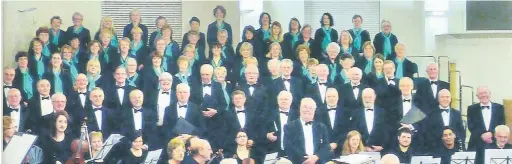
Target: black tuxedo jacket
(296,88)
(434,126)
(151,98)
(476,124)
(426,96)
(348,98)
(273,124)
(258,100)
(379,134)
(294,142)
(24,116)
(386,92)
(109,121)
(342,124)
(215,100)
(313,91)
(254,126)
(112,99)
(148,124)
(193,116)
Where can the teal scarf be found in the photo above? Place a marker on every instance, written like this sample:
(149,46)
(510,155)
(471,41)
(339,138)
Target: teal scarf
(92,81)
(242,71)
(191,66)
(399,73)
(266,33)
(357,40)
(75,56)
(91,57)
(158,33)
(221,26)
(106,56)
(369,65)
(72,70)
(332,73)
(114,42)
(27,83)
(58,82)
(183,78)
(295,38)
(226,95)
(123,61)
(164,65)
(305,71)
(135,49)
(387,45)
(55,39)
(168,50)
(78,30)
(349,50)
(313,79)
(158,72)
(344,77)
(327,38)
(40,67)
(46,50)
(132,80)
(224,52)
(196,56)
(379,75)
(216,65)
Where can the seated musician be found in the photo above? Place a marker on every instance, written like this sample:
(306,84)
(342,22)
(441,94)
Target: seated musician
(502,134)
(200,153)
(450,146)
(403,150)
(9,128)
(175,152)
(57,144)
(243,148)
(136,152)
(353,144)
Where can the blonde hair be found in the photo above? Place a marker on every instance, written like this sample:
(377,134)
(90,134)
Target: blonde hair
(133,11)
(349,36)
(95,134)
(7,123)
(280,34)
(189,47)
(220,69)
(250,60)
(102,28)
(174,144)
(346,146)
(105,33)
(183,59)
(124,40)
(247,45)
(313,61)
(94,62)
(136,29)
(269,54)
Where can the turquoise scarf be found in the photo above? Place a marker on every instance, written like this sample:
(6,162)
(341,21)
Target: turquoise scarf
(91,57)
(327,38)
(78,30)
(135,49)
(40,67)
(226,95)
(242,71)
(123,61)
(224,52)
(295,38)
(158,33)
(114,42)
(344,77)
(75,56)
(357,40)
(92,81)
(379,75)
(183,78)
(305,71)
(157,72)
(387,45)
(349,50)
(55,39)
(266,34)
(221,26)
(332,74)
(164,65)
(46,50)
(106,56)
(196,57)
(27,83)
(216,65)
(368,67)
(72,70)
(399,73)
(191,66)
(58,82)
(132,80)
(168,50)
(313,79)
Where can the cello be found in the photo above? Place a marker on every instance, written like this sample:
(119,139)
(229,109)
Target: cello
(80,146)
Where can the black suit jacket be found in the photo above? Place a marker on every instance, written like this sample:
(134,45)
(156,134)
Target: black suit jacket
(434,126)
(476,124)
(258,100)
(193,116)
(151,99)
(148,124)
(294,142)
(387,93)
(348,98)
(342,124)
(378,42)
(84,36)
(273,124)
(109,121)
(65,77)
(365,36)
(112,99)
(426,96)
(296,88)
(24,116)
(313,91)
(254,127)
(379,134)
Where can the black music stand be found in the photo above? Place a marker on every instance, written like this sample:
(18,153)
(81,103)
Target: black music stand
(498,156)
(463,158)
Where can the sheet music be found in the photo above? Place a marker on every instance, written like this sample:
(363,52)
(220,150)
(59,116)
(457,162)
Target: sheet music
(18,147)
(423,160)
(153,156)
(495,156)
(112,140)
(355,159)
(270,158)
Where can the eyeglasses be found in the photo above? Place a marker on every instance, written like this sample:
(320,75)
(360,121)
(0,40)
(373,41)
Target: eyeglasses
(241,136)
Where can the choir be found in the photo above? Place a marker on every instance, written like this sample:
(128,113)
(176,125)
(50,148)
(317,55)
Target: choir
(309,100)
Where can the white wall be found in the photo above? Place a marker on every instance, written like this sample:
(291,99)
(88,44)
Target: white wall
(283,11)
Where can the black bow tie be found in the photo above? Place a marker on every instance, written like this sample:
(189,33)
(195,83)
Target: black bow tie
(288,80)
(285,113)
(319,83)
(45,98)
(445,110)
(369,109)
(97,109)
(6,86)
(240,111)
(407,100)
(120,87)
(393,79)
(486,107)
(330,109)
(182,106)
(432,82)
(81,93)
(207,85)
(252,85)
(135,110)
(355,86)
(163,92)
(309,123)
(17,109)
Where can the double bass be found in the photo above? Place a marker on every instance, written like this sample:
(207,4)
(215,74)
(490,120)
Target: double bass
(80,147)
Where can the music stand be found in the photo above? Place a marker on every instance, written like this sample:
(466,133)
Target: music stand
(112,140)
(271,158)
(498,156)
(463,158)
(153,156)
(375,156)
(18,148)
(423,160)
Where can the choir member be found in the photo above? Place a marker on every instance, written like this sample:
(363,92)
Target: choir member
(18,111)
(94,77)
(57,35)
(93,53)
(347,62)
(9,130)
(242,150)
(120,59)
(212,34)
(353,143)
(249,35)
(483,118)
(159,23)
(8,78)
(359,34)
(172,48)
(132,74)
(323,36)
(78,31)
(67,60)
(274,53)
(274,71)
(333,50)
(40,105)
(136,22)
(301,61)
(219,58)
(185,109)
(59,77)
(387,88)
(150,74)
(227,87)
(318,89)
(427,89)
(136,153)
(311,67)
(109,51)
(49,48)
(118,92)
(38,63)
(78,97)
(290,38)
(377,73)
(202,153)
(390,159)
(278,118)
(161,98)
(400,105)
(96,143)
(305,39)
(350,93)
(56,145)
(183,75)
(139,118)
(138,49)
(200,38)
(335,118)
(78,51)
(101,118)
(404,67)
(501,134)
(257,94)
(195,51)
(175,152)
(227,49)
(276,36)
(288,82)
(443,116)
(448,147)
(208,95)
(246,51)
(24,79)
(370,121)
(264,33)
(366,61)
(346,44)
(313,145)
(404,151)
(385,41)
(107,25)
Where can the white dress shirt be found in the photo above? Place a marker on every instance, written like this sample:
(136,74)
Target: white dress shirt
(287,85)
(163,102)
(486,115)
(406,106)
(6,90)
(356,91)
(120,94)
(433,87)
(182,111)
(99,116)
(445,116)
(15,116)
(322,89)
(137,119)
(284,119)
(369,116)
(46,106)
(207,90)
(390,82)
(332,115)
(308,138)
(241,116)
(251,90)
(82,99)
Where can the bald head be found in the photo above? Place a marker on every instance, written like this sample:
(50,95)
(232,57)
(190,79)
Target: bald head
(444,98)
(389,159)
(14,97)
(406,85)
(432,70)
(368,97)
(483,94)
(355,75)
(58,101)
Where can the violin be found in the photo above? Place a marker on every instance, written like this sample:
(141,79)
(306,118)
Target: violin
(80,146)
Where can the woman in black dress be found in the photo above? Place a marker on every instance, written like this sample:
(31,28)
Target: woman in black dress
(57,145)
(290,38)
(323,36)
(242,149)
(159,22)
(135,154)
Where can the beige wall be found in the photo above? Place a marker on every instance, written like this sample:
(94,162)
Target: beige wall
(18,28)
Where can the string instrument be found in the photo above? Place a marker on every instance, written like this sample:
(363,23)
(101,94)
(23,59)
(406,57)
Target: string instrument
(80,146)
(219,154)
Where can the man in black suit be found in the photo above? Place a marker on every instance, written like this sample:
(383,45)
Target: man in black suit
(501,133)
(200,153)
(287,83)
(404,151)
(78,98)
(183,108)
(335,118)
(306,140)
(350,93)
(9,74)
(257,94)
(17,110)
(99,117)
(427,89)
(277,120)
(117,95)
(482,119)
(387,88)
(138,118)
(443,116)
(40,105)
(209,95)
(370,121)
(317,90)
